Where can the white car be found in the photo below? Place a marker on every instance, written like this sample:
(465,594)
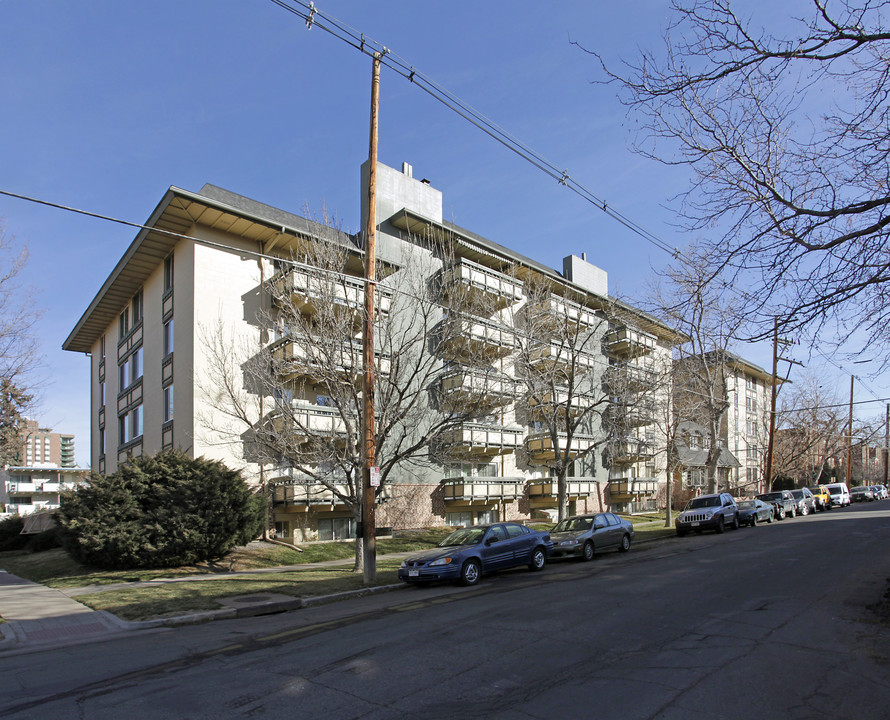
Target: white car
(840,494)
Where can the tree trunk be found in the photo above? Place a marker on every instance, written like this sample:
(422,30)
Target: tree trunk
(561,494)
(668,520)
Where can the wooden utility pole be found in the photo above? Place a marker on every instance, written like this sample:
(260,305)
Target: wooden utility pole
(369,521)
(768,474)
(886,443)
(850,439)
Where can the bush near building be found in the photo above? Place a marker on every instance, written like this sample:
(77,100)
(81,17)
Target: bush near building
(160,511)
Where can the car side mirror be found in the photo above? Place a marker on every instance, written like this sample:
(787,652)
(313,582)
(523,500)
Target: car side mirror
(491,540)
(598,526)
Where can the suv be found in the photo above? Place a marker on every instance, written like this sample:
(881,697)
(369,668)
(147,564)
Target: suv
(782,501)
(806,502)
(708,512)
(822,496)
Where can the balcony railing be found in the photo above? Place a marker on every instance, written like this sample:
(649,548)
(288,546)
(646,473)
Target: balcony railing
(626,342)
(306,289)
(462,337)
(304,421)
(576,488)
(576,404)
(631,451)
(551,355)
(540,447)
(481,285)
(628,489)
(561,312)
(625,378)
(18,486)
(482,490)
(479,439)
(301,495)
(630,416)
(477,388)
(293,358)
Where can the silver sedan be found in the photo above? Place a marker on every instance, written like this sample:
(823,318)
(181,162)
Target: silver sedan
(583,535)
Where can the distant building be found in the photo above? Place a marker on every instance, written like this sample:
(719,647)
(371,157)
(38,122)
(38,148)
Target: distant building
(29,489)
(42,446)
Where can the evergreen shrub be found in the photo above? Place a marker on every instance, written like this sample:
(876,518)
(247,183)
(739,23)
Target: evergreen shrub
(160,511)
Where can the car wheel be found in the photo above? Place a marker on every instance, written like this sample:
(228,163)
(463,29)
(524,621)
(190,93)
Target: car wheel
(588,551)
(770,518)
(754,520)
(735,522)
(470,573)
(793,513)
(539,559)
(625,544)
(720,524)
(781,513)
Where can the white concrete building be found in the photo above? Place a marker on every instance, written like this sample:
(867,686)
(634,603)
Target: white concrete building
(206,263)
(34,488)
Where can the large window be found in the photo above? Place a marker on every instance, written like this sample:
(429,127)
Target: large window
(131,369)
(136,307)
(336,528)
(130,425)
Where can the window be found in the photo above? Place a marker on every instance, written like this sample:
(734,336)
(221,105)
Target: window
(130,425)
(168,273)
(101,441)
(131,369)
(336,528)
(102,394)
(125,374)
(102,348)
(168,403)
(125,322)
(168,337)
(694,478)
(136,306)
(459,519)
(282,529)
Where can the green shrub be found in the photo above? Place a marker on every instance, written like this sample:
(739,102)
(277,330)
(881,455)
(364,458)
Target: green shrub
(46,540)
(11,537)
(160,511)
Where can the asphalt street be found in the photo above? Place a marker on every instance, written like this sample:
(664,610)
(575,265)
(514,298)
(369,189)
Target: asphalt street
(766,622)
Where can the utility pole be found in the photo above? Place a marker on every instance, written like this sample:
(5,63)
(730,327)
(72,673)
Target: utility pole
(369,521)
(886,443)
(850,438)
(771,438)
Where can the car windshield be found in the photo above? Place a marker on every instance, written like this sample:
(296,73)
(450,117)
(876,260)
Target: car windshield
(464,536)
(771,496)
(579,524)
(745,504)
(701,502)
(797,493)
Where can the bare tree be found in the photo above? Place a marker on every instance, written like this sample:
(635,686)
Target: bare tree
(688,301)
(294,403)
(19,351)
(559,367)
(786,132)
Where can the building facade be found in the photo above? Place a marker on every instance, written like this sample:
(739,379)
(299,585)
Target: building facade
(541,371)
(25,490)
(43,446)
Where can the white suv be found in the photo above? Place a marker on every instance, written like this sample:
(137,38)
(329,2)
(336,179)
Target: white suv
(708,512)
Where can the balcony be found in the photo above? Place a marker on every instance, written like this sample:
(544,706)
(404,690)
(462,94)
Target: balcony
(544,492)
(474,439)
(482,491)
(308,289)
(295,492)
(623,415)
(480,286)
(304,422)
(476,388)
(299,358)
(631,489)
(541,450)
(462,337)
(562,313)
(577,404)
(19,486)
(625,342)
(626,378)
(631,450)
(549,356)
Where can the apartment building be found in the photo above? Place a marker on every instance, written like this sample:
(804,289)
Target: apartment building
(29,489)
(43,446)
(212,286)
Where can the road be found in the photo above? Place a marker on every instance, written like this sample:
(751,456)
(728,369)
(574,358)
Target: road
(769,622)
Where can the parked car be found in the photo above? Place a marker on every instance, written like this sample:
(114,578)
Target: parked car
(840,494)
(822,497)
(861,493)
(754,511)
(469,553)
(880,492)
(783,502)
(805,503)
(583,535)
(708,512)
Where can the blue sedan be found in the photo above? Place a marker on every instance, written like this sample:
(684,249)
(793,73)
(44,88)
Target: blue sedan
(469,553)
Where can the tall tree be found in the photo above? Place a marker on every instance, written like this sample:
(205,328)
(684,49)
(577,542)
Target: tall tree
(19,353)
(786,132)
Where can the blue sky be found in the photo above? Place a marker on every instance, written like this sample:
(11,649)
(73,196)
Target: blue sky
(108,103)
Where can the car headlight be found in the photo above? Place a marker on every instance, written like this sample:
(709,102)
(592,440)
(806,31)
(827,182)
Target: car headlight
(569,542)
(404,563)
(440,561)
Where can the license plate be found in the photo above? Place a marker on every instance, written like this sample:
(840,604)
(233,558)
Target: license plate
(414,573)
(695,524)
